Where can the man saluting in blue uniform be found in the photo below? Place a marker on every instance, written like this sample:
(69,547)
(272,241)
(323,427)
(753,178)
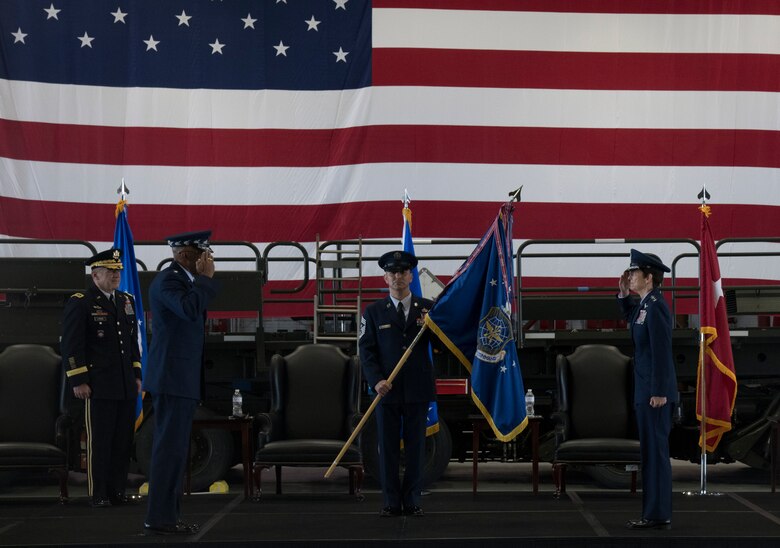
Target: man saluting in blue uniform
(103,365)
(387,328)
(655,384)
(179,296)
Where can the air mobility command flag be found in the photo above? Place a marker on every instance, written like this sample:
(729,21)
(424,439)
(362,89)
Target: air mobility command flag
(472,316)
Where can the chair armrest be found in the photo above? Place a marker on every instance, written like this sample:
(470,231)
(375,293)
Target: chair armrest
(269,428)
(561,427)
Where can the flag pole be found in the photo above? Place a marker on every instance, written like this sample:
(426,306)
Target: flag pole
(376,401)
(704,195)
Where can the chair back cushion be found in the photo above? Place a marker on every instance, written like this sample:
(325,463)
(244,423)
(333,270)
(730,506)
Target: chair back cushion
(31,380)
(314,389)
(595,384)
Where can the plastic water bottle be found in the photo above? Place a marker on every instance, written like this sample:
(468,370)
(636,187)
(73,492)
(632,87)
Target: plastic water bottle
(529,403)
(237,404)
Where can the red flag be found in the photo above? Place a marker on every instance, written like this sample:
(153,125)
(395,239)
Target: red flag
(720,380)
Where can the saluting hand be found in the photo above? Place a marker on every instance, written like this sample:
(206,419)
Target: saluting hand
(623,284)
(205,264)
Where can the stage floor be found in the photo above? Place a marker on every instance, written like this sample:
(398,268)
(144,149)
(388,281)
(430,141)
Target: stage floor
(317,512)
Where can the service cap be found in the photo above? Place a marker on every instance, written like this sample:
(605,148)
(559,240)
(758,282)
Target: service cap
(646,260)
(198,239)
(110,258)
(397,261)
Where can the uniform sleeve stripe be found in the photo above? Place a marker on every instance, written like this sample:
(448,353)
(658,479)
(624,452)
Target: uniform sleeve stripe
(77,371)
(137,364)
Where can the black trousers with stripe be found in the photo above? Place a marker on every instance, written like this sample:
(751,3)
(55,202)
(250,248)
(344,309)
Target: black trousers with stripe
(109,441)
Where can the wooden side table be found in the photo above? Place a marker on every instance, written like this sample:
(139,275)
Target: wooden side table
(477,422)
(235,424)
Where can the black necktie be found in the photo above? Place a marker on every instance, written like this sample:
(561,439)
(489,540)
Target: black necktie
(111,299)
(401,316)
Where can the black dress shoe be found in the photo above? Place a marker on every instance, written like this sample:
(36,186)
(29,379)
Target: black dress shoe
(388,511)
(649,524)
(122,500)
(413,511)
(100,502)
(180,528)
(190,527)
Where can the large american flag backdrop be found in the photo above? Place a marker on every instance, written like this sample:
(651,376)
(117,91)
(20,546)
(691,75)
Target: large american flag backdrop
(287,119)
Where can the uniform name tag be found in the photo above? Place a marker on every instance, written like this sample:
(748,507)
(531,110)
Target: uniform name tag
(384,326)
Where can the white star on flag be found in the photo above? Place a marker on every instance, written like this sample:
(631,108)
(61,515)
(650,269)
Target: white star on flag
(184,19)
(216,47)
(19,36)
(119,17)
(493,282)
(248,21)
(151,43)
(51,12)
(86,40)
(312,24)
(341,4)
(717,292)
(281,49)
(341,55)
(503,368)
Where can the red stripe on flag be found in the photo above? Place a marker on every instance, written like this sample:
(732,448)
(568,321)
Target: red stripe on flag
(400,143)
(433,219)
(576,70)
(714,7)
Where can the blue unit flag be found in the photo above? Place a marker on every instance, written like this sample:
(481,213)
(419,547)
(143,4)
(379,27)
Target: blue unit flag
(123,239)
(473,317)
(432,420)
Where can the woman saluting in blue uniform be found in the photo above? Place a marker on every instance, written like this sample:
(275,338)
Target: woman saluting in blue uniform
(655,385)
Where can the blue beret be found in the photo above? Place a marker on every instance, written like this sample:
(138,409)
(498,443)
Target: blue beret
(646,260)
(110,258)
(397,261)
(199,239)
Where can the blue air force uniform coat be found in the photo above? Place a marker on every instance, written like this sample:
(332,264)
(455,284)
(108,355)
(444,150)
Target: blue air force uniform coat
(100,348)
(650,323)
(174,379)
(383,340)
(178,318)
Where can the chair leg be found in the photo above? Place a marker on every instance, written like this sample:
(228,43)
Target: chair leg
(633,481)
(559,476)
(258,479)
(278,479)
(63,474)
(356,481)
